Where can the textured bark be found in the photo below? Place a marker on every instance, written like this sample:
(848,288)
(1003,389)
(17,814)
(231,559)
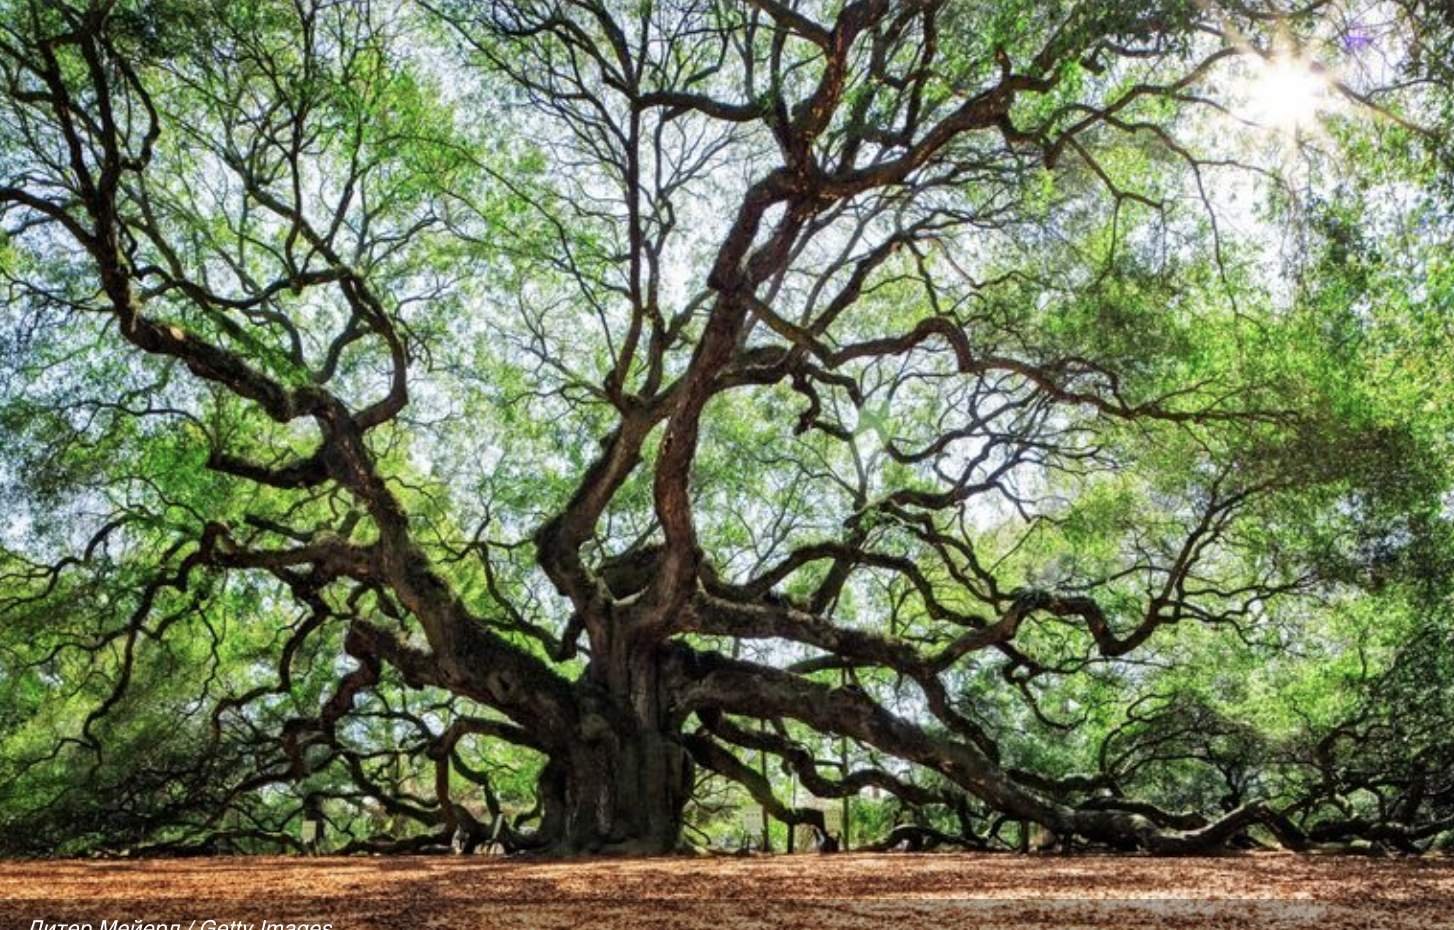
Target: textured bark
(623,781)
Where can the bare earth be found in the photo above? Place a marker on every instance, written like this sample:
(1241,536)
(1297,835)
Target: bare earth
(980,891)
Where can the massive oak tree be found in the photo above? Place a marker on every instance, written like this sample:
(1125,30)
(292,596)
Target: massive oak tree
(1036,412)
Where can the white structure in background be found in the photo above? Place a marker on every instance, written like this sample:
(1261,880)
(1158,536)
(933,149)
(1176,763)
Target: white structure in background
(805,838)
(312,835)
(751,827)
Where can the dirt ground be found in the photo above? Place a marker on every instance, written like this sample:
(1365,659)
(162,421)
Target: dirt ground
(981,891)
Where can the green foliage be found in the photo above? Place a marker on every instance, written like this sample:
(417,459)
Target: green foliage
(1213,390)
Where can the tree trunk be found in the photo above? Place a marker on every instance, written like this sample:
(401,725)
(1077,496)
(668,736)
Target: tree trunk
(623,784)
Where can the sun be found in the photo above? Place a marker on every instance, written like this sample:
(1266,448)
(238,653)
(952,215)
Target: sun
(1287,93)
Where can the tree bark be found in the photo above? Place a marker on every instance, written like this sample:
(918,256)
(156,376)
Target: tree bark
(624,780)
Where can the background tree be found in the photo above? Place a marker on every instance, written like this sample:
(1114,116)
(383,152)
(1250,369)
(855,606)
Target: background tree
(550,408)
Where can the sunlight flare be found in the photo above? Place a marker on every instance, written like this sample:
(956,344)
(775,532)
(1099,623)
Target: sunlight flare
(1287,94)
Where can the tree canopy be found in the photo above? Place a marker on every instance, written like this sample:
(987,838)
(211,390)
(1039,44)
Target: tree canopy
(601,414)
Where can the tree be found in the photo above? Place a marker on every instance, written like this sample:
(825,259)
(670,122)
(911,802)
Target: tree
(646,386)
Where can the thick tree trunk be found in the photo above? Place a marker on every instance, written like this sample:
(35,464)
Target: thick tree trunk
(626,778)
(619,795)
